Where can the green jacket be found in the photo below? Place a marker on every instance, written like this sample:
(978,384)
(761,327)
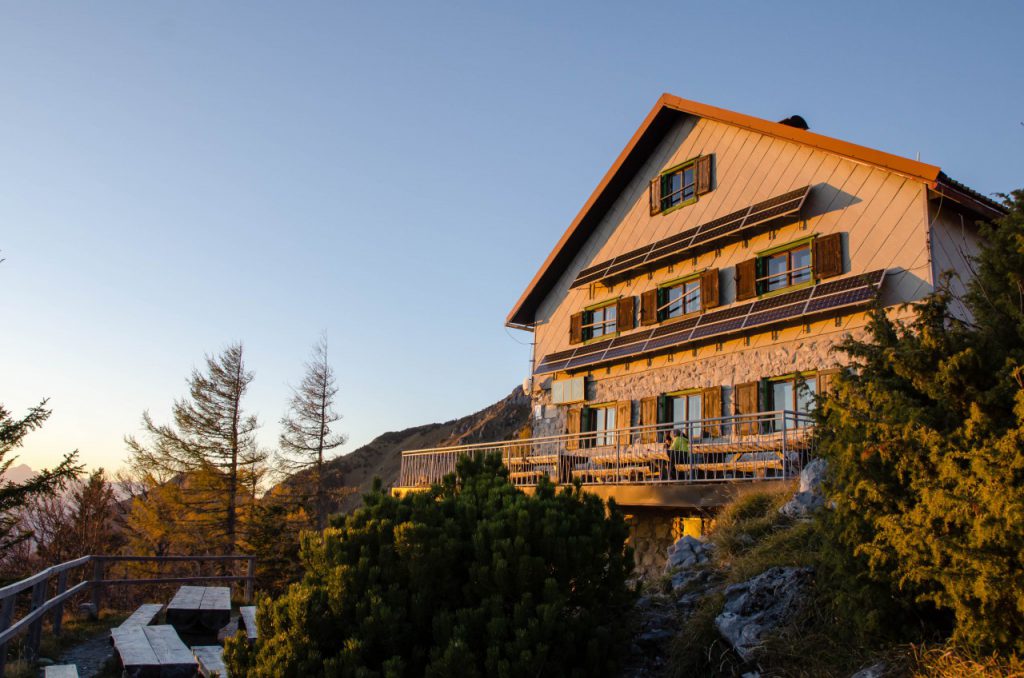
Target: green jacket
(680,444)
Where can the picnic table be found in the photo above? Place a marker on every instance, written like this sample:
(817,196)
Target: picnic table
(200,609)
(153,652)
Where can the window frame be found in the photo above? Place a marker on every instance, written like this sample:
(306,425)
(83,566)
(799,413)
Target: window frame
(798,380)
(663,304)
(665,176)
(692,432)
(588,324)
(590,436)
(761,275)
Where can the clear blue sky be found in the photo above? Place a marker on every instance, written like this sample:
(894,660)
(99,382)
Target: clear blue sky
(178,175)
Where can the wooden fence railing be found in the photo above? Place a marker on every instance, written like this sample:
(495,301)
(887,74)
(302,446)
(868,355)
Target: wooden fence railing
(40,605)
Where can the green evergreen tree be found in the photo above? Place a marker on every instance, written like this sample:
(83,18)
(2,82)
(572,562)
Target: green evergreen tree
(14,497)
(470,578)
(926,442)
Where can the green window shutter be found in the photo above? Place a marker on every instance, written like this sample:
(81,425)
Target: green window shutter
(764,396)
(664,416)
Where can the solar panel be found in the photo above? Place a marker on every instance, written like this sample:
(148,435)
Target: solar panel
(784,308)
(782,300)
(842,299)
(690,241)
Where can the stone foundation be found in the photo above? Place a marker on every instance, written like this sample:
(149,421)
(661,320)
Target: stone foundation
(653,530)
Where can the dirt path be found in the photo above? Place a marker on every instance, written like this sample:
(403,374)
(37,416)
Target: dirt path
(90,656)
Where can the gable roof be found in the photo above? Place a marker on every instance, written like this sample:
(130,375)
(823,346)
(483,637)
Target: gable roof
(668,109)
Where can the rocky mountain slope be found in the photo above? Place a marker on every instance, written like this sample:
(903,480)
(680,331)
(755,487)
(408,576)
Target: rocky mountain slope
(351,475)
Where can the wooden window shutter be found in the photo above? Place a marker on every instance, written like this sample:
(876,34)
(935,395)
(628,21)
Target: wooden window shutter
(625,314)
(746,279)
(624,419)
(745,402)
(709,289)
(828,255)
(654,196)
(702,171)
(649,417)
(711,408)
(572,427)
(649,307)
(576,328)
(825,378)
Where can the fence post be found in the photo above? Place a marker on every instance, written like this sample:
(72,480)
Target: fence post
(250,574)
(35,630)
(97,587)
(6,615)
(58,613)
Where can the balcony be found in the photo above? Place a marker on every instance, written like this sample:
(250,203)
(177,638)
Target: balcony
(766,446)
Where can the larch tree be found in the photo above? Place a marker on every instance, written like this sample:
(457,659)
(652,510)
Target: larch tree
(210,448)
(306,436)
(15,497)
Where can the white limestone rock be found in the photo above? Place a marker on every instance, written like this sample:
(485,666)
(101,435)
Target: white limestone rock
(686,553)
(873,671)
(758,606)
(810,497)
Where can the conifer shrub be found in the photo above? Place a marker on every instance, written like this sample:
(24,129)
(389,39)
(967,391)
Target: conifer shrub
(925,440)
(470,578)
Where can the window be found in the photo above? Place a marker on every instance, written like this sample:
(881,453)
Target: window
(600,422)
(686,412)
(793,393)
(599,322)
(567,391)
(679,299)
(777,270)
(678,185)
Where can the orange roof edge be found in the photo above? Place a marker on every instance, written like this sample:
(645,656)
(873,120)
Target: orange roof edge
(895,163)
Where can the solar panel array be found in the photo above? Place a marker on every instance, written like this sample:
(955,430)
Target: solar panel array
(696,239)
(788,308)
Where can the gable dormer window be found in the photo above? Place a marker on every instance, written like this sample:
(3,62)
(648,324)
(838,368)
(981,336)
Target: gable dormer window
(680,185)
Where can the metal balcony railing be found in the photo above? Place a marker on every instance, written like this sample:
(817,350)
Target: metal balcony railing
(761,446)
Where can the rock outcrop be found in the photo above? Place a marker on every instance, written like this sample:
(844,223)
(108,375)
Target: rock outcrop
(810,497)
(758,606)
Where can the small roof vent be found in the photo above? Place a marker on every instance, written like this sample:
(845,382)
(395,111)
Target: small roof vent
(795,121)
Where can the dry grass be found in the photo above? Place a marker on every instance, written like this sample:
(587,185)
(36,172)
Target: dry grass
(947,661)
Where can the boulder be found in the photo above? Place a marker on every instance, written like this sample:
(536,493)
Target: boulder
(758,606)
(686,553)
(810,497)
(873,671)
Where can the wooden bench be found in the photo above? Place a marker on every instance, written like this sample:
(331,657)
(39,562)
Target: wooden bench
(200,609)
(733,466)
(144,616)
(62,671)
(247,621)
(153,651)
(603,474)
(210,659)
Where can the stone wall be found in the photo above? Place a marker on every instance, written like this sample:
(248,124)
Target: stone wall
(682,371)
(653,530)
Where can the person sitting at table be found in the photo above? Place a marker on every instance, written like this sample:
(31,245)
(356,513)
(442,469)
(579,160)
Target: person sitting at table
(678,450)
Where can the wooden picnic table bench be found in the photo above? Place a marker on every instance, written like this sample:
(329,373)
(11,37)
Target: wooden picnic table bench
(210,659)
(153,652)
(200,609)
(144,616)
(61,671)
(247,621)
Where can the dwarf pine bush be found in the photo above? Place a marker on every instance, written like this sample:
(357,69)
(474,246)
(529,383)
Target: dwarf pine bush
(470,578)
(926,443)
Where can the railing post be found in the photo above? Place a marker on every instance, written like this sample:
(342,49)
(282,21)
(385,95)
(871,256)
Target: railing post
(6,615)
(250,574)
(35,629)
(58,613)
(97,587)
